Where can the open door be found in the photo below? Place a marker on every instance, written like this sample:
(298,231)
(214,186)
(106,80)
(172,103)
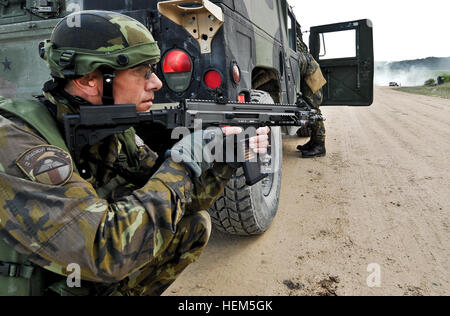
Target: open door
(345,54)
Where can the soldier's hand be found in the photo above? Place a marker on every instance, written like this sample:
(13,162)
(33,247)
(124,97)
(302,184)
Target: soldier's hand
(259,144)
(194,153)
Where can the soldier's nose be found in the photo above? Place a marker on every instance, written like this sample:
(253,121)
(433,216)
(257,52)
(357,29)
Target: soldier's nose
(154,83)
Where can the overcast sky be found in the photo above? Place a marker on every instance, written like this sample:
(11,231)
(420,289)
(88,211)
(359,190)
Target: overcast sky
(403,29)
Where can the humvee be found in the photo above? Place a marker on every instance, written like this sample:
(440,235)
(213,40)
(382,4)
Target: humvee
(242,50)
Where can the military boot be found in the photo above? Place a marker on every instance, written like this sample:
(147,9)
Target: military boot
(309,145)
(318,150)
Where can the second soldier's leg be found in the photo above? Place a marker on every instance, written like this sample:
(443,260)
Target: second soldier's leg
(316,146)
(192,236)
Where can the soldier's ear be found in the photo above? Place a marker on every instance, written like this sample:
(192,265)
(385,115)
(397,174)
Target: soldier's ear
(89,84)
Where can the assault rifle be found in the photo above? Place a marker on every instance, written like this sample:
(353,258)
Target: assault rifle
(95,123)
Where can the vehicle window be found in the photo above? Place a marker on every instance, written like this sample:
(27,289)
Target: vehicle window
(291,32)
(338,45)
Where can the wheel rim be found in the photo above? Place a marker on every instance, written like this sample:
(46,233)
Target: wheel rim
(267,184)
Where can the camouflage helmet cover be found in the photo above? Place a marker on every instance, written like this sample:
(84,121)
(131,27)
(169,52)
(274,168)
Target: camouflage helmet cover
(99,39)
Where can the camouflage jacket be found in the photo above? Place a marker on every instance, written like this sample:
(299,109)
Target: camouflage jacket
(311,74)
(107,225)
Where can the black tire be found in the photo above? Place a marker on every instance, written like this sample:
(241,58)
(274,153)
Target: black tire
(245,210)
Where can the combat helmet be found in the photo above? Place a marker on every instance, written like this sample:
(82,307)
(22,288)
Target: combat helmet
(88,40)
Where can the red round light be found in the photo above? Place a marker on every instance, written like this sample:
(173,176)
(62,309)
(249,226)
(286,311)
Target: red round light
(177,61)
(236,74)
(213,79)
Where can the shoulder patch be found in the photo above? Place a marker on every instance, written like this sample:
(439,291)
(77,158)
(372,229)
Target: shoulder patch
(47,165)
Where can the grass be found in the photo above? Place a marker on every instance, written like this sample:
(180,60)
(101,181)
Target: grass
(442,91)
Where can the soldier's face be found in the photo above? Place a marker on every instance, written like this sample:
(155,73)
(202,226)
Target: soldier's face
(136,86)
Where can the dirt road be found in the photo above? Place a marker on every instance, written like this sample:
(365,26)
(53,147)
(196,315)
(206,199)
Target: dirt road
(379,200)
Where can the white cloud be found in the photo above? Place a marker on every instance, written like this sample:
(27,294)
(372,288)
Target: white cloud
(402,29)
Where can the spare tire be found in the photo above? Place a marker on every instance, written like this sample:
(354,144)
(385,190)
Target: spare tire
(245,210)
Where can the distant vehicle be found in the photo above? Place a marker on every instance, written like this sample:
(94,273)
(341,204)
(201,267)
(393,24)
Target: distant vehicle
(393,84)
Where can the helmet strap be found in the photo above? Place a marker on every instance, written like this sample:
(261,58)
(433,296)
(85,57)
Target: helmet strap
(108,81)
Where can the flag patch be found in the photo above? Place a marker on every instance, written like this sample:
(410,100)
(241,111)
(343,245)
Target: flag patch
(47,165)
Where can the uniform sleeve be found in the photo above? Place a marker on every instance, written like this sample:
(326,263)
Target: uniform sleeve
(209,186)
(59,225)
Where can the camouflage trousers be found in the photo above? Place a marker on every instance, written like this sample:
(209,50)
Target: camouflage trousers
(191,238)
(318,130)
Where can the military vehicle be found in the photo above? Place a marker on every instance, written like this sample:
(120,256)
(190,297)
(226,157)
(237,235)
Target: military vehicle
(242,50)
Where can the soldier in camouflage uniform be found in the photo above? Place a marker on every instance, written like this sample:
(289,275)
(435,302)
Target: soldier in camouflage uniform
(132,226)
(311,88)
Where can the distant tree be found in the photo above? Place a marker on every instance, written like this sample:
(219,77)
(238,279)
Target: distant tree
(430,82)
(446,77)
